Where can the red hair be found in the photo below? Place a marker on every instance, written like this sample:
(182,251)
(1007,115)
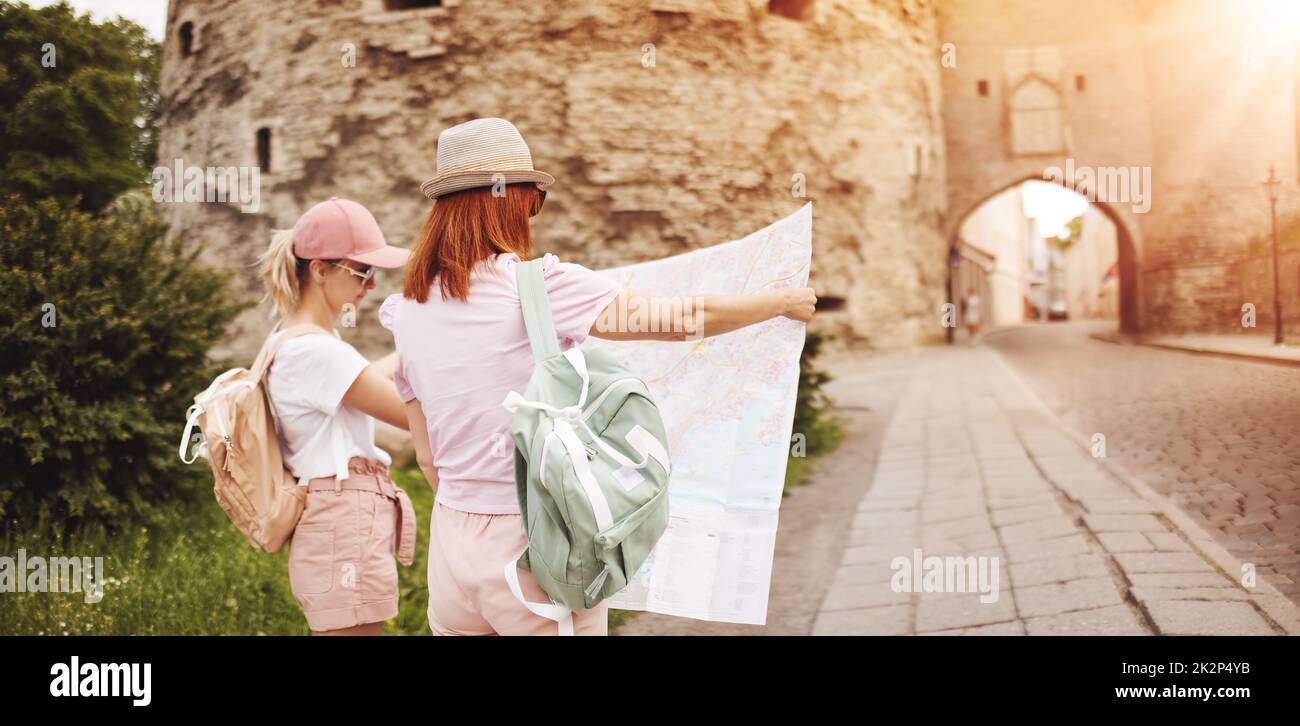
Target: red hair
(465,228)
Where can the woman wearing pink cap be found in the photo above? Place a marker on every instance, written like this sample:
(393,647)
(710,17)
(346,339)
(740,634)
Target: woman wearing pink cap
(462,347)
(325,397)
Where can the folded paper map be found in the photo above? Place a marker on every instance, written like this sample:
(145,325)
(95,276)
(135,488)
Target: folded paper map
(728,403)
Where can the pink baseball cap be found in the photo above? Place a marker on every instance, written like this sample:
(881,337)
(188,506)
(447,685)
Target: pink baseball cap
(342,229)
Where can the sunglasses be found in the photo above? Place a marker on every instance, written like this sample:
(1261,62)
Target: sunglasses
(365,276)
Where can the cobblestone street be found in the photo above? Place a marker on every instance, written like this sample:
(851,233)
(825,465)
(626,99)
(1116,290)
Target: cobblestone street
(973,466)
(1219,437)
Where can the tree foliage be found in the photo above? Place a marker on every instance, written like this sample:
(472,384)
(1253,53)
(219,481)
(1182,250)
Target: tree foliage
(78,105)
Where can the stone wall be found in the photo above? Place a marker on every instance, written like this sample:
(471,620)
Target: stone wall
(1200,92)
(700,146)
(1221,84)
(1256,275)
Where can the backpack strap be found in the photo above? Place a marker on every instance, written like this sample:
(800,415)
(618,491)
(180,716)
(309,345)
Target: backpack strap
(561,615)
(537,310)
(267,354)
(263,363)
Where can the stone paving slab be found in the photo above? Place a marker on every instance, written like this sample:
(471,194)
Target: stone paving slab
(1216,438)
(1123,523)
(1007,628)
(1058,569)
(1116,620)
(1061,597)
(986,516)
(962,610)
(1053,549)
(1125,542)
(888,620)
(1189,617)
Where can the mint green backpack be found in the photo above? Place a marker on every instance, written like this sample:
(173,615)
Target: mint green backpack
(591,467)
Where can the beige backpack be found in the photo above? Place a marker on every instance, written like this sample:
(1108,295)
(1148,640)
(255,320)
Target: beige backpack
(240,439)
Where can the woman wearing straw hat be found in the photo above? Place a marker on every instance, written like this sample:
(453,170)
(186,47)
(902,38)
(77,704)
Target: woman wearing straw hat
(326,397)
(462,347)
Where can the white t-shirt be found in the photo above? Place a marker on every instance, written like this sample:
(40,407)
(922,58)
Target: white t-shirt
(306,382)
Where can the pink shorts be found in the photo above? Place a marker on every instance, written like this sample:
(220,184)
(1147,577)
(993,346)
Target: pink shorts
(341,565)
(468,592)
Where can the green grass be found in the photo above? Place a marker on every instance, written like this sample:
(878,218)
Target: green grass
(202,578)
(825,433)
(199,576)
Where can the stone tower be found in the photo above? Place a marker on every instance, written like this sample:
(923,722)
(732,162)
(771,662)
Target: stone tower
(668,124)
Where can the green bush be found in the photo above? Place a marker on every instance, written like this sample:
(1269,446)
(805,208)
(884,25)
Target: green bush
(78,105)
(103,344)
(812,413)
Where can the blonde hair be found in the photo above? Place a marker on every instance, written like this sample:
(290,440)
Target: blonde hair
(283,274)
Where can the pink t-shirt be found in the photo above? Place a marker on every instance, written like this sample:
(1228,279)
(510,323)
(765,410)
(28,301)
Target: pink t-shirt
(460,359)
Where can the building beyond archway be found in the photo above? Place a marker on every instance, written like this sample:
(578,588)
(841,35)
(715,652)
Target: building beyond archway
(1001,254)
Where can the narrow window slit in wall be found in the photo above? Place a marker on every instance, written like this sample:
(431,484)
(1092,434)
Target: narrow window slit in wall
(793,9)
(264,150)
(186,35)
(411,4)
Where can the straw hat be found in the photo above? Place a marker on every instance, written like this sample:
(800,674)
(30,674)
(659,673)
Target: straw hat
(472,153)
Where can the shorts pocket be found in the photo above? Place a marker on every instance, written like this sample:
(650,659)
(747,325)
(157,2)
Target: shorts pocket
(378,566)
(311,559)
